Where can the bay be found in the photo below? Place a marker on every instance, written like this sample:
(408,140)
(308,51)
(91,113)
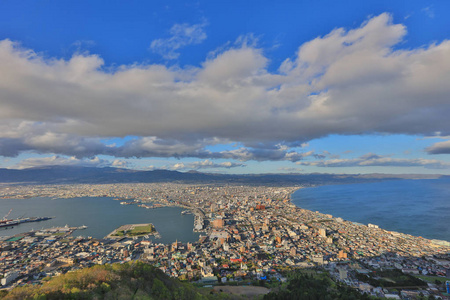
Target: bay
(416,207)
(101,215)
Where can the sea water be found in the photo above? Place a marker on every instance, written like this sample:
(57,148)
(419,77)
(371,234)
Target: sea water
(101,215)
(416,207)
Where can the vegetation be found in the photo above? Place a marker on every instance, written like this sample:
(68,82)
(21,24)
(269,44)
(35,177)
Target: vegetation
(136,231)
(135,280)
(432,279)
(315,286)
(391,278)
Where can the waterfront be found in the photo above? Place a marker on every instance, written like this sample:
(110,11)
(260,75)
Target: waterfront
(240,224)
(101,214)
(417,207)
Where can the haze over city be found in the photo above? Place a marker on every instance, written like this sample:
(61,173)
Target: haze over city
(226,86)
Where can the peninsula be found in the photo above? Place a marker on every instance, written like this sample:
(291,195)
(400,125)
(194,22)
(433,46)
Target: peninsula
(249,233)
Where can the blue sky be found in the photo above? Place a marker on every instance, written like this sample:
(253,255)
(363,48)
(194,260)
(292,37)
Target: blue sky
(226,86)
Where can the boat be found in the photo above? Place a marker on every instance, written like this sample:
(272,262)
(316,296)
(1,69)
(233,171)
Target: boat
(12,222)
(9,223)
(145,206)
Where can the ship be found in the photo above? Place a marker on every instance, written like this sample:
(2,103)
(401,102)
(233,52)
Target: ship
(126,203)
(5,222)
(8,223)
(34,219)
(146,206)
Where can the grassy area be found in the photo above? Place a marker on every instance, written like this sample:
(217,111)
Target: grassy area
(118,233)
(136,231)
(432,279)
(59,233)
(139,230)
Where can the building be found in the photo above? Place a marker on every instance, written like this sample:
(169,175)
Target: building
(218,223)
(318,259)
(342,254)
(342,274)
(322,232)
(9,277)
(293,251)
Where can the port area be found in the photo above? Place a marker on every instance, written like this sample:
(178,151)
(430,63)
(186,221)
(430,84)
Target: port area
(134,230)
(13,222)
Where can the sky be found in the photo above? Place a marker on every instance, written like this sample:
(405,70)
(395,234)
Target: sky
(226,86)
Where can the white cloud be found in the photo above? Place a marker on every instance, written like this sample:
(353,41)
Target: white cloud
(439,148)
(66,161)
(375,160)
(346,82)
(182,35)
(205,164)
(428,11)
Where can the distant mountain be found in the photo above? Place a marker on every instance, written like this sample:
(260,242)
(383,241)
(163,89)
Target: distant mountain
(74,174)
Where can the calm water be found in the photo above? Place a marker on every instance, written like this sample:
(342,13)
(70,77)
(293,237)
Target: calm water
(101,215)
(416,207)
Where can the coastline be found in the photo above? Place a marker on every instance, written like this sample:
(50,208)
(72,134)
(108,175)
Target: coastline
(366,222)
(96,211)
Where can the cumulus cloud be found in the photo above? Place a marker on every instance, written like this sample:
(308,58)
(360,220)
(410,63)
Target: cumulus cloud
(182,35)
(197,165)
(375,160)
(349,82)
(439,148)
(262,154)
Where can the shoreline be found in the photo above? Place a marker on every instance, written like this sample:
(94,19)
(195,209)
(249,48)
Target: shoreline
(436,241)
(61,221)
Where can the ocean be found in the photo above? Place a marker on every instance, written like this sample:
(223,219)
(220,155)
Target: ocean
(101,215)
(416,207)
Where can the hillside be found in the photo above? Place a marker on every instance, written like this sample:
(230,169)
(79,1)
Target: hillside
(118,281)
(137,280)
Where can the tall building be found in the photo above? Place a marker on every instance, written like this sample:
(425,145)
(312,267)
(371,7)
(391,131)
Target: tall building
(322,232)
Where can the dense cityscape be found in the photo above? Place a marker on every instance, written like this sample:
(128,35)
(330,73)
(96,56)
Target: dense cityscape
(247,233)
(203,150)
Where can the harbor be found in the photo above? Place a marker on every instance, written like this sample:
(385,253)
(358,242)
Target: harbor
(9,223)
(102,215)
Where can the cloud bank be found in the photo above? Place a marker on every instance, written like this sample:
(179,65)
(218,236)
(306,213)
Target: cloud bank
(374,160)
(68,161)
(205,164)
(347,82)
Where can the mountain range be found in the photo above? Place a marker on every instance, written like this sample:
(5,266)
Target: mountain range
(76,174)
